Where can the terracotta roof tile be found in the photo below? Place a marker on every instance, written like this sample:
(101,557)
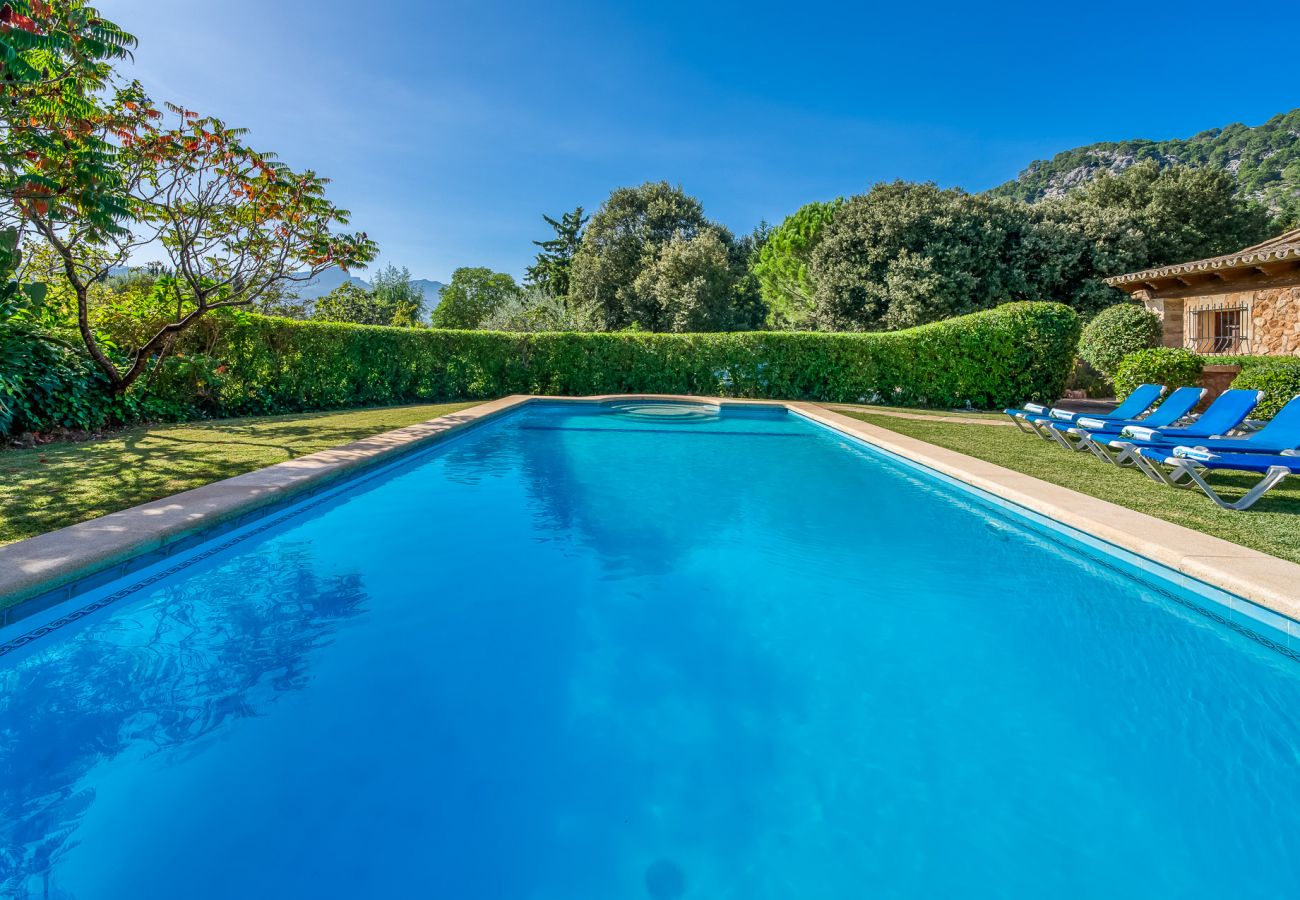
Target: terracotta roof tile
(1281,248)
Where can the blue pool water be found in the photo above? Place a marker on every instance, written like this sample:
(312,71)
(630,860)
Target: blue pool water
(647,652)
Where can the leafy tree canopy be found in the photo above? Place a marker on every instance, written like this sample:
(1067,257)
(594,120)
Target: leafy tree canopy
(393,291)
(782,267)
(472,297)
(689,283)
(534,310)
(904,254)
(650,259)
(623,238)
(234,223)
(551,271)
(350,302)
(55,56)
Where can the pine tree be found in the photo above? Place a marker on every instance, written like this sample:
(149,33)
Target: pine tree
(550,272)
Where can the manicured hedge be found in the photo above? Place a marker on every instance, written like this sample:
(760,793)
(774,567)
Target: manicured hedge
(1173,367)
(1115,332)
(1017,352)
(1277,376)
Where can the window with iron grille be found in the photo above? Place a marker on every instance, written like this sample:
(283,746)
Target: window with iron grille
(1221,328)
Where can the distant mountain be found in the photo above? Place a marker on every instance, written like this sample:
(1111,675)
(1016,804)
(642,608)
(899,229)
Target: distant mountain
(432,292)
(1265,160)
(330,279)
(323,283)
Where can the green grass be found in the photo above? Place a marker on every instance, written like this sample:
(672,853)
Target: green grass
(916,411)
(48,487)
(1272,525)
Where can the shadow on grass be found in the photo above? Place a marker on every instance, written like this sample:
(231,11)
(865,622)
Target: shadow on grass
(48,487)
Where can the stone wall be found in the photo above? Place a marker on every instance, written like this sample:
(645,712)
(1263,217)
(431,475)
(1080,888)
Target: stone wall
(1216,380)
(1275,322)
(1274,317)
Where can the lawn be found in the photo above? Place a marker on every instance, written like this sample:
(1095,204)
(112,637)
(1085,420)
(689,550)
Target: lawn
(45,488)
(1272,525)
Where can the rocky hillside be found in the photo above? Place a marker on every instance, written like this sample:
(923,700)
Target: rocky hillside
(1265,160)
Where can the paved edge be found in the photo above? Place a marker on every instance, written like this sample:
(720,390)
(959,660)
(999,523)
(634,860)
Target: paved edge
(44,565)
(48,562)
(1263,579)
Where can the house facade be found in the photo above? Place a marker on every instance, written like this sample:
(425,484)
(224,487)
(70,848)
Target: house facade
(1243,302)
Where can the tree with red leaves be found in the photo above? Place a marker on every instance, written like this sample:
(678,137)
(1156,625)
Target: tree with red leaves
(55,55)
(234,222)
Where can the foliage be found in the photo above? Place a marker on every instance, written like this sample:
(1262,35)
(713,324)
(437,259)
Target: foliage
(473,296)
(393,291)
(551,271)
(904,253)
(536,310)
(782,267)
(998,357)
(690,283)
(1277,376)
(623,238)
(350,302)
(233,222)
(1264,164)
(1088,380)
(1116,332)
(650,260)
(56,57)
(1150,215)
(1173,367)
(45,382)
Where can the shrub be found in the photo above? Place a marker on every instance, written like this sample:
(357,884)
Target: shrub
(1017,352)
(1116,332)
(1170,366)
(46,382)
(1277,376)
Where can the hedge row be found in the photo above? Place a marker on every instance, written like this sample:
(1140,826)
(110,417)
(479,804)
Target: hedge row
(1017,352)
(1277,376)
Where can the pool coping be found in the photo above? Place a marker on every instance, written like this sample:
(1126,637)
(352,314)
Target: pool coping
(41,571)
(1253,575)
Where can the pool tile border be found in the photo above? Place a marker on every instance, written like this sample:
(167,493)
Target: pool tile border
(41,572)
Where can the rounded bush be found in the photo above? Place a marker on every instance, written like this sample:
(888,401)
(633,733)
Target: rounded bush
(1277,377)
(1116,332)
(1173,367)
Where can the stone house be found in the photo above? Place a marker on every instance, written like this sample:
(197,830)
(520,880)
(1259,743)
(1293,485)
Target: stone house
(1243,302)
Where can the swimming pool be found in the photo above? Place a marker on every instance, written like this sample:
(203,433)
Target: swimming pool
(646,650)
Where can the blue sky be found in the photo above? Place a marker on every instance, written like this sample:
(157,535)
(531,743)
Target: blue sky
(449,128)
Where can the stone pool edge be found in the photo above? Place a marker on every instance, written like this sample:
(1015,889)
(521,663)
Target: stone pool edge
(54,566)
(1268,581)
(60,562)
(43,571)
